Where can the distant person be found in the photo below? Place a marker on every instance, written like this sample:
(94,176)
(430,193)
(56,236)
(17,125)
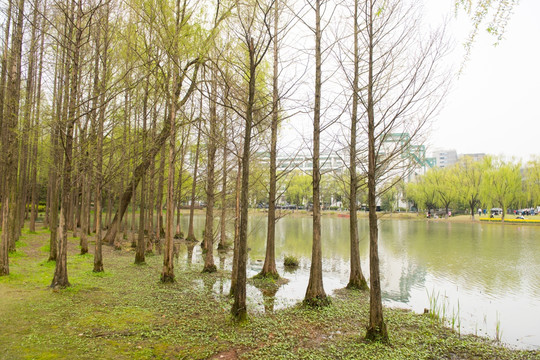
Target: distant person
(479,212)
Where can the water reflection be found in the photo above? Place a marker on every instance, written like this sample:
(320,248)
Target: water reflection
(491,272)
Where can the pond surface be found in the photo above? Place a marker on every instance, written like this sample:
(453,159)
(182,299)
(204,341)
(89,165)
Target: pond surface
(484,276)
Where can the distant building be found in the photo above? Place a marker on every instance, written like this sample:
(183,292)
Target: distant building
(445,158)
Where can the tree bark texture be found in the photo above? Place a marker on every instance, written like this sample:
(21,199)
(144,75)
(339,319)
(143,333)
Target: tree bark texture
(356,278)
(315,294)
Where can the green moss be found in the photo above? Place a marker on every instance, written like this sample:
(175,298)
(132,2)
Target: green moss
(126,313)
(291,261)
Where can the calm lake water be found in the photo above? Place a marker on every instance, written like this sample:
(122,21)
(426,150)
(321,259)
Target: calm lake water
(485,276)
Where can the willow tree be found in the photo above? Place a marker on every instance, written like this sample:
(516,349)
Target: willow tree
(400,88)
(501,185)
(532,181)
(469,175)
(494,15)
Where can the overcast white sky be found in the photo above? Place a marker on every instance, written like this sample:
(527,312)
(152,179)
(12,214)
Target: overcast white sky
(494,105)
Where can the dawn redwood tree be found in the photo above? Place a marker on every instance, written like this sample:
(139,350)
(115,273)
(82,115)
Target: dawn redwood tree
(191,232)
(100,85)
(269,267)
(74,19)
(9,139)
(225,170)
(209,265)
(255,34)
(36,132)
(141,245)
(356,278)
(315,294)
(400,88)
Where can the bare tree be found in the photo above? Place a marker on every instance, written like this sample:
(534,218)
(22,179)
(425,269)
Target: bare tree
(255,35)
(401,87)
(315,294)
(356,278)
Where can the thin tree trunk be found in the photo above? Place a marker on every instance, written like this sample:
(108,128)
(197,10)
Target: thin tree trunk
(98,252)
(376,330)
(209,265)
(60,278)
(234,272)
(27,115)
(35,200)
(185,140)
(223,218)
(315,294)
(191,235)
(356,278)
(269,268)
(9,144)
(239,309)
(141,244)
(3,124)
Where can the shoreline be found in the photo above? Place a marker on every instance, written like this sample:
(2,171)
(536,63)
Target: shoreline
(127,313)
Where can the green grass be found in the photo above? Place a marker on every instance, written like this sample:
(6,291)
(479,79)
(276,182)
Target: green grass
(126,313)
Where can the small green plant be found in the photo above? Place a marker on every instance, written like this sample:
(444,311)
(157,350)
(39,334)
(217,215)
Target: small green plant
(498,330)
(291,261)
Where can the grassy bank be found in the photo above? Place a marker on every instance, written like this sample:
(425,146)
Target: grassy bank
(125,313)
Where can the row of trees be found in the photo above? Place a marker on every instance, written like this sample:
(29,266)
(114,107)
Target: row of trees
(470,184)
(108,104)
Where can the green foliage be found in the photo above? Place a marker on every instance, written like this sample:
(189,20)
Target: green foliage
(532,181)
(501,185)
(300,189)
(492,182)
(291,261)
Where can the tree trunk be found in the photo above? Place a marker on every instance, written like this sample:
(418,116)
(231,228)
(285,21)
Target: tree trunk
(269,268)
(100,91)
(36,133)
(9,144)
(356,278)
(209,265)
(159,206)
(223,218)
(27,114)
(239,310)
(141,244)
(234,273)
(180,181)
(315,295)
(191,235)
(60,278)
(376,330)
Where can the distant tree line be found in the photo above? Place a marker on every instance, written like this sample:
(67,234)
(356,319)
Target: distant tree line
(469,185)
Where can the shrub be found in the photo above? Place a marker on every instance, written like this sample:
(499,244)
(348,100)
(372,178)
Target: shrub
(290,261)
